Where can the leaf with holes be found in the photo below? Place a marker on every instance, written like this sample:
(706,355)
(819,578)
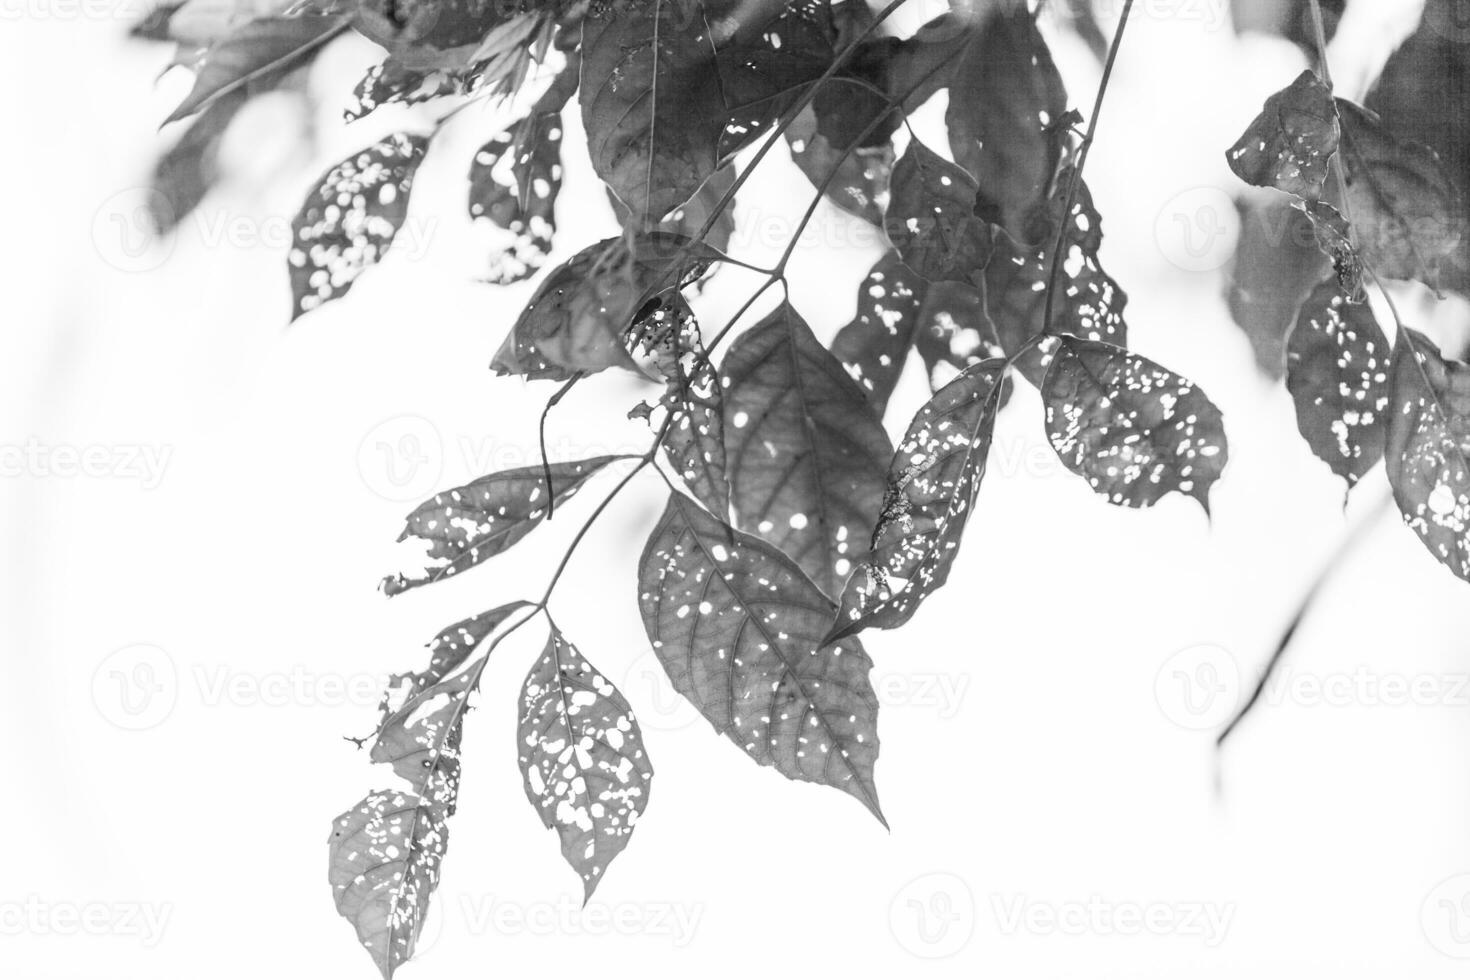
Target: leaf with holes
(1337,363)
(739,629)
(385,857)
(1335,240)
(1132,429)
(1406,207)
(255,55)
(1289,146)
(514,182)
(932,484)
(931,217)
(582,758)
(1006,114)
(350,219)
(463,527)
(805,452)
(578,317)
(1428,447)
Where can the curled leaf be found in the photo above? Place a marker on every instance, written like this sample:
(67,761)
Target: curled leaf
(1289,146)
(739,630)
(1132,429)
(582,758)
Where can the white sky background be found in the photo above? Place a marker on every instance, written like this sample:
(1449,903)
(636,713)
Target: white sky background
(1033,769)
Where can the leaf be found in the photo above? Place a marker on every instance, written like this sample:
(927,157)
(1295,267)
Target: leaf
(254,53)
(1289,146)
(1334,239)
(350,219)
(1406,208)
(805,453)
(689,218)
(956,332)
(577,318)
(514,182)
(187,171)
(385,855)
(860,183)
(1088,304)
(762,69)
(468,525)
(931,217)
(695,441)
(391,82)
(932,484)
(1005,114)
(582,758)
(1427,447)
(1337,373)
(1132,429)
(738,628)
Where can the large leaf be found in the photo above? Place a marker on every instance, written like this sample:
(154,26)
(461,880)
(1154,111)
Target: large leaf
(1428,447)
(578,319)
(514,182)
(739,629)
(1289,146)
(1132,429)
(582,758)
(463,527)
(1405,206)
(806,454)
(349,220)
(931,217)
(1005,114)
(255,54)
(1337,373)
(385,856)
(932,483)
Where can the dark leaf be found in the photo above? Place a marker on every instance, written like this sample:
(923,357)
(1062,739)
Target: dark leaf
(1289,146)
(955,332)
(860,185)
(1428,445)
(392,82)
(578,317)
(932,483)
(1335,240)
(1337,373)
(350,219)
(1005,114)
(1132,429)
(806,454)
(876,344)
(931,217)
(689,218)
(738,628)
(1405,207)
(514,182)
(463,527)
(582,758)
(761,70)
(257,52)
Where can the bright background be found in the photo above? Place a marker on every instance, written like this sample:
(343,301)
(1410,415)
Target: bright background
(185,647)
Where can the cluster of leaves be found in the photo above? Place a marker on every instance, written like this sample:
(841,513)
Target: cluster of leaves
(1379,207)
(792,524)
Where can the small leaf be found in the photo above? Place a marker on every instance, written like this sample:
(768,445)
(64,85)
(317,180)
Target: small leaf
(1132,429)
(1289,146)
(1337,373)
(350,219)
(932,483)
(1005,114)
(577,320)
(876,344)
(806,455)
(1428,445)
(385,856)
(582,758)
(1335,240)
(738,628)
(1406,208)
(254,54)
(514,182)
(391,82)
(861,180)
(931,217)
(187,171)
(463,527)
